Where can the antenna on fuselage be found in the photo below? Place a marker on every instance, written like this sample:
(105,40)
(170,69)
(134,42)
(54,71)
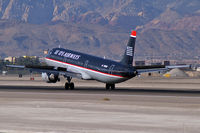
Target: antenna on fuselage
(58,46)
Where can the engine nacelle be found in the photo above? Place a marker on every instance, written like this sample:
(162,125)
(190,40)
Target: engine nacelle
(50,77)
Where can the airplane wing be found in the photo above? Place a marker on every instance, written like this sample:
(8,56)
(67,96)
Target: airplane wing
(48,69)
(157,68)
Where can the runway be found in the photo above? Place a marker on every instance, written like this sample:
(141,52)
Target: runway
(34,106)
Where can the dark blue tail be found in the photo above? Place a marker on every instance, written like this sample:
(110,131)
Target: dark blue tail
(129,52)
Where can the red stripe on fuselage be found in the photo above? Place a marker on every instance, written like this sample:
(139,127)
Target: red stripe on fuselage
(85,68)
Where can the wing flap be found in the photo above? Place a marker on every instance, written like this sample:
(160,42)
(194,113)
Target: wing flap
(48,69)
(15,66)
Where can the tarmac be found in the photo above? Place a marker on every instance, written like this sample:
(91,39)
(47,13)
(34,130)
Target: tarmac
(140,105)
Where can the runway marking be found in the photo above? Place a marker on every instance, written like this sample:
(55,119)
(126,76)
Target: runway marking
(106,94)
(145,95)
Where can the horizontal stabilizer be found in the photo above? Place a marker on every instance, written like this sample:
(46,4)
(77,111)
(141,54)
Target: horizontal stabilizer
(157,68)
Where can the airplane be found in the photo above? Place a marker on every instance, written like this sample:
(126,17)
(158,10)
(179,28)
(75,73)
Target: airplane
(72,64)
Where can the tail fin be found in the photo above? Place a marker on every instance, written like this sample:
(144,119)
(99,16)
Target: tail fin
(129,52)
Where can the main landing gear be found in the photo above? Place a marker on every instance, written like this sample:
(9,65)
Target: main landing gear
(69,85)
(110,86)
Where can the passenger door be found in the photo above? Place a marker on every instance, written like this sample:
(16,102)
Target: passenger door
(86,63)
(111,68)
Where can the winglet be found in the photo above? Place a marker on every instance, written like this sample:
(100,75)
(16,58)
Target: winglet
(133,34)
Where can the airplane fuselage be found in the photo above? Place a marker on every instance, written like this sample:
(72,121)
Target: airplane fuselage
(90,67)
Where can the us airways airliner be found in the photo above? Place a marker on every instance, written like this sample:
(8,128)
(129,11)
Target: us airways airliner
(73,64)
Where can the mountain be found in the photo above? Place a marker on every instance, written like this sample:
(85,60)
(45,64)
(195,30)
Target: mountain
(124,13)
(19,38)
(166,29)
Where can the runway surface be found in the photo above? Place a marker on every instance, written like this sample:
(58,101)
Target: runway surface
(140,106)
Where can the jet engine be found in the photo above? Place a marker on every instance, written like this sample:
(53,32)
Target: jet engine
(50,77)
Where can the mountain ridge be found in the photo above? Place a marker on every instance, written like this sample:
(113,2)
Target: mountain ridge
(167,28)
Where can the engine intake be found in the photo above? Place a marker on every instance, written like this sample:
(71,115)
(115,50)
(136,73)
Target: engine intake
(50,77)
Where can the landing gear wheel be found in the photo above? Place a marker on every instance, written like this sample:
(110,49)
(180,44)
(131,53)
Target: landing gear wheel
(107,86)
(110,86)
(71,85)
(66,86)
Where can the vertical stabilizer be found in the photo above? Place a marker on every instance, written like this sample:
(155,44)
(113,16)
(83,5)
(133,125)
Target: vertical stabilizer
(129,52)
